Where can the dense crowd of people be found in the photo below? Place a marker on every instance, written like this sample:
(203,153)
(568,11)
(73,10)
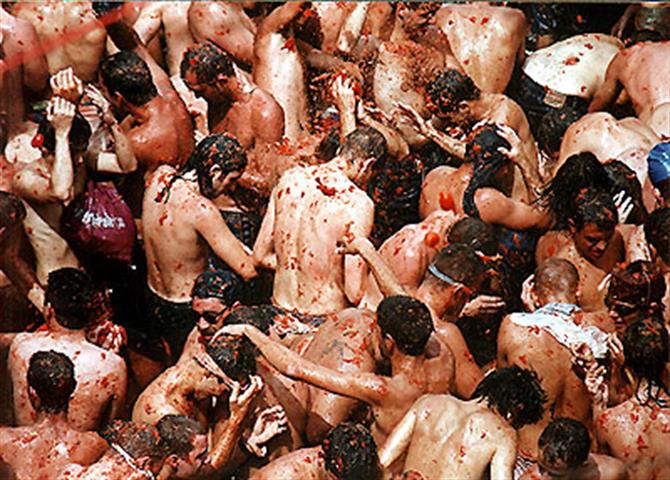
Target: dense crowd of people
(334,240)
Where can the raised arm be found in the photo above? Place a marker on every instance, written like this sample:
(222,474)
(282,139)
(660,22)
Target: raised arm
(353,25)
(149,23)
(264,252)
(388,283)
(496,208)
(444,141)
(355,268)
(366,387)
(279,18)
(399,440)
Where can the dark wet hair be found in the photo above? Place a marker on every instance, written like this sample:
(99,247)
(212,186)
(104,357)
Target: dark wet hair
(624,178)
(12,210)
(553,125)
(449,89)
(126,73)
(260,316)
(78,137)
(580,171)
(329,145)
(221,284)
(638,283)
(234,355)
(595,207)
(515,393)
(363,143)
(219,149)
(103,7)
(565,441)
(51,375)
(177,433)
(644,35)
(482,152)
(207,61)
(137,439)
(657,232)
(556,275)
(461,263)
(73,296)
(407,321)
(645,347)
(477,234)
(350,453)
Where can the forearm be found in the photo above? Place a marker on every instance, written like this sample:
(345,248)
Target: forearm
(447,143)
(62,176)
(123,149)
(224,447)
(388,283)
(398,441)
(351,30)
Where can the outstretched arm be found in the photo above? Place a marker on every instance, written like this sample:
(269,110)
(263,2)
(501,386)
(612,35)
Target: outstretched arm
(444,141)
(498,209)
(399,440)
(264,254)
(366,387)
(280,17)
(388,283)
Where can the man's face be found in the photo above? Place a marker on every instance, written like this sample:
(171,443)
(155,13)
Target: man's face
(552,469)
(208,91)
(211,315)
(189,466)
(224,184)
(592,242)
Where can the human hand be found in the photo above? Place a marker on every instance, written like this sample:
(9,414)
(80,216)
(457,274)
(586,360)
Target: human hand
(236,330)
(408,113)
(67,85)
(107,335)
(515,153)
(343,91)
(482,305)
(269,423)
(624,205)
(60,113)
(526,294)
(240,400)
(99,100)
(595,384)
(615,348)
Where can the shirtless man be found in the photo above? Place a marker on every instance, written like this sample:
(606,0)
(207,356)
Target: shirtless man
(637,430)
(643,71)
(543,341)
(75,37)
(179,222)
(417,365)
(449,438)
(347,452)
(42,449)
(101,375)
(235,104)
(310,276)
(564,453)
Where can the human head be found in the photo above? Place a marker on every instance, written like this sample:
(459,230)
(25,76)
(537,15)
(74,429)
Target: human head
(12,213)
(645,348)
(185,441)
(51,381)
(635,290)
(580,171)
(407,321)
(453,275)
(448,92)
(234,355)
(140,441)
(592,224)
(78,137)
(556,279)
(515,393)
(473,232)
(564,445)
(260,316)
(657,232)
(219,161)
(103,7)
(214,293)
(72,298)
(350,453)
(127,78)
(361,148)
(624,178)
(658,167)
(553,126)
(205,68)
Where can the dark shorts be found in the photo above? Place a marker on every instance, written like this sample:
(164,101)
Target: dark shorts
(518,251)
(168,323)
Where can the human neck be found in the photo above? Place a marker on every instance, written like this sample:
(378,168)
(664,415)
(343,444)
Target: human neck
(558,298)
(59,418)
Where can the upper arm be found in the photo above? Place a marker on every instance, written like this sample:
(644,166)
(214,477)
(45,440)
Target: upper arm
(149,22)
(279,18)
(33,183)
(504,457)
(268,123)
(35,69)
(355,268)
(264,246)
(498,209)
(400,438)
(468,374)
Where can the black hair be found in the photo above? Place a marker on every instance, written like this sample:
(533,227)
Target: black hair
(481,336)
(622,177)
(219,149)
(461,263)
(471,231)
(176,434)
(553,126)
(78,137)
(407,321)
(657,232)
(515,393)
(137,439)
(645,347)
(73,296)
(126,73)
(234,355)
(595,207)
(221,284)
(482,152)
(363,143)
(644,35)
(639,283)
(556,275)
(329,145)
(12,210)
(51,376)
(350,453)
(565,441)
(450,88)
(207,61)
(260,316)
(580,171)
(103,7)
